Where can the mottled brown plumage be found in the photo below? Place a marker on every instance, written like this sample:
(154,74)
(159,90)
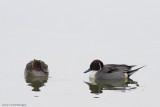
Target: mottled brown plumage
(36,68)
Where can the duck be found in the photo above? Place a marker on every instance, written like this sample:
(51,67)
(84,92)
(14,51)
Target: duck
(110,71)
(36,68)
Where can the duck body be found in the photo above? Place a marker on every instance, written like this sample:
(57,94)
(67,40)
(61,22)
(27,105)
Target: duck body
(110,71)
(36,68)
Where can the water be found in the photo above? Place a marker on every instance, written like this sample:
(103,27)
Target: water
(68,36)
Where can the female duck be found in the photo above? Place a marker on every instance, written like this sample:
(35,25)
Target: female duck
(36,68)
(110,71)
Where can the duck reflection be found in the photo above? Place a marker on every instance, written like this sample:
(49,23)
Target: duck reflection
(97,85)
(36,82)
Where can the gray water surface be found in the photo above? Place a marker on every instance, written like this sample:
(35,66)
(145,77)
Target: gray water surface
(68,36)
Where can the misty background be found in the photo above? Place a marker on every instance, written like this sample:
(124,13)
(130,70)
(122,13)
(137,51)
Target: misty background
(69,35)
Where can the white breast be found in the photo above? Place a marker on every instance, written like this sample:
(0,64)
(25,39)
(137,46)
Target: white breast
(93,74)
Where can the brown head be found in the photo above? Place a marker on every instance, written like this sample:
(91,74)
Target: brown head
(36,65)
(96,65)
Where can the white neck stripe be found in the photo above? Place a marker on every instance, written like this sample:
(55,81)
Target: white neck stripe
(100,66)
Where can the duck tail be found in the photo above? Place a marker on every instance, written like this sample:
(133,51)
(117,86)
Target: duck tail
(130,72)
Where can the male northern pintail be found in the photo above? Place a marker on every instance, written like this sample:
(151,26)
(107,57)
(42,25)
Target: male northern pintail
(36,68)
(110,71)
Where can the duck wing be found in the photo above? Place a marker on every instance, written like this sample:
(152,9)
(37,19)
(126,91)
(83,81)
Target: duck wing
(110,68)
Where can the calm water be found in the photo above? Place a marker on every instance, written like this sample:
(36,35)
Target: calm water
(68,36)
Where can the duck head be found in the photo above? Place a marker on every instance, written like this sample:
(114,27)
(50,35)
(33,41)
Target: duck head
(96,65)
(36,65)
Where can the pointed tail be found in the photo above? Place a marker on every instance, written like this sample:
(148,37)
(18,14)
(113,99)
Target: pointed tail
(130,72)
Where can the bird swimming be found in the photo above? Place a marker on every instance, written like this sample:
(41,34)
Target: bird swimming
(36,68)
(110,71)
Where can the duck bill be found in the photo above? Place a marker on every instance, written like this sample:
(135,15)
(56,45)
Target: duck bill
(87,70)
(42,69)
